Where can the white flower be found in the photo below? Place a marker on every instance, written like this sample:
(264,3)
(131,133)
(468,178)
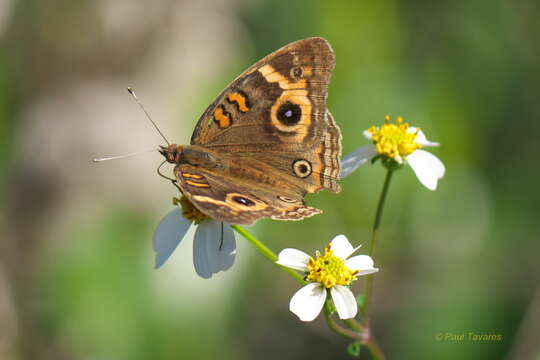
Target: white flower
(398,142)
(331,273)
(214,245)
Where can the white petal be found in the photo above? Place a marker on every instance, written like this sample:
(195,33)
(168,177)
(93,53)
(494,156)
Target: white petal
(294,259)
(214,248)
(308,302)
(427,167)
(200,258)
(367,134)
(367,271)
(227,250)
(359,262)
(362,263)
(344,301)
(342,247)
(356,158)
(170,231)
(421,137)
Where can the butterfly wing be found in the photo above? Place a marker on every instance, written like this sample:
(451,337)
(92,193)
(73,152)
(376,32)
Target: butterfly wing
(273,136)
(275,112)
(223,198)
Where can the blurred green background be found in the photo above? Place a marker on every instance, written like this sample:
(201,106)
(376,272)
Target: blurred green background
(76,263)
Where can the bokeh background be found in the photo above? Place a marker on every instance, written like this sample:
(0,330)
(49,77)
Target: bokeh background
(76,263)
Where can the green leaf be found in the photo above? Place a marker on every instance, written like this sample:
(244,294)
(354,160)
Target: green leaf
(354,349)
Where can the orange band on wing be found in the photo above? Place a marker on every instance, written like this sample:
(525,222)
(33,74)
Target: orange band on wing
(222,118)
(191,176)
(240,100)
(193,183)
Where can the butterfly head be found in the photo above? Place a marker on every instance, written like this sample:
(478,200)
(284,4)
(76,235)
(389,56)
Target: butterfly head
(172,153)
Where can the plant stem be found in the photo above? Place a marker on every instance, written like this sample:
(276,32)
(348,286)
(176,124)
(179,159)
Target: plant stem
(269,254)
(373,242)
(358,333)
(374,349)
(378,215)
(335,327)
(354,325)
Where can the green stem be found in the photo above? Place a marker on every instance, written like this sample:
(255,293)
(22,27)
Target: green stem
(374,349)
(335,327)
(378,215)
(354,325)
(269,254)
(373,242)
(358,333)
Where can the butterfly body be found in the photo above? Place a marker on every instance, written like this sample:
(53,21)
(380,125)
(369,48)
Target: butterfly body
(266,140)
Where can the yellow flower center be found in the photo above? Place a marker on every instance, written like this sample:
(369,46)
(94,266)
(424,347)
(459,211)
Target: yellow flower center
(393,140)
(329,270)
(189,211)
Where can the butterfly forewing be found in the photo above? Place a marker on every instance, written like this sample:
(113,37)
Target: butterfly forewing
(279,100)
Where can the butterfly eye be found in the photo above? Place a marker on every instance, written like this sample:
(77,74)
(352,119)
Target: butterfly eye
(289,113)
(243,201)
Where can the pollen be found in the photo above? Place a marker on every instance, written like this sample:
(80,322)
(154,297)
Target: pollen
(189,211)
(329,270)
(394,140)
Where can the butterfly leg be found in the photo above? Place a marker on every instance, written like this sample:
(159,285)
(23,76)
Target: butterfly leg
(221,241)
(174,181)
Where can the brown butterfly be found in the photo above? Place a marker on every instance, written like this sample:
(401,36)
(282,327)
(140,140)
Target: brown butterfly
(266,141)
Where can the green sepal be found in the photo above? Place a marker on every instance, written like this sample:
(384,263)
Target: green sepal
(361,301)
(375,158)
(391,164)
(330,305)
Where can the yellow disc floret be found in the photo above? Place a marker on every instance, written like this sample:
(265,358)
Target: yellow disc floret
(329,270)
(189,211)
(393,140)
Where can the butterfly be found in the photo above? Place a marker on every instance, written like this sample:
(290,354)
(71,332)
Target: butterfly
(266,141)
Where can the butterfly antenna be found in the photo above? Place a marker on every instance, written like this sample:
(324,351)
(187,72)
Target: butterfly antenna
(130,90)
(97,160)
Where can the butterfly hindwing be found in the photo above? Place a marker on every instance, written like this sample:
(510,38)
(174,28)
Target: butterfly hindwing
(223,198)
